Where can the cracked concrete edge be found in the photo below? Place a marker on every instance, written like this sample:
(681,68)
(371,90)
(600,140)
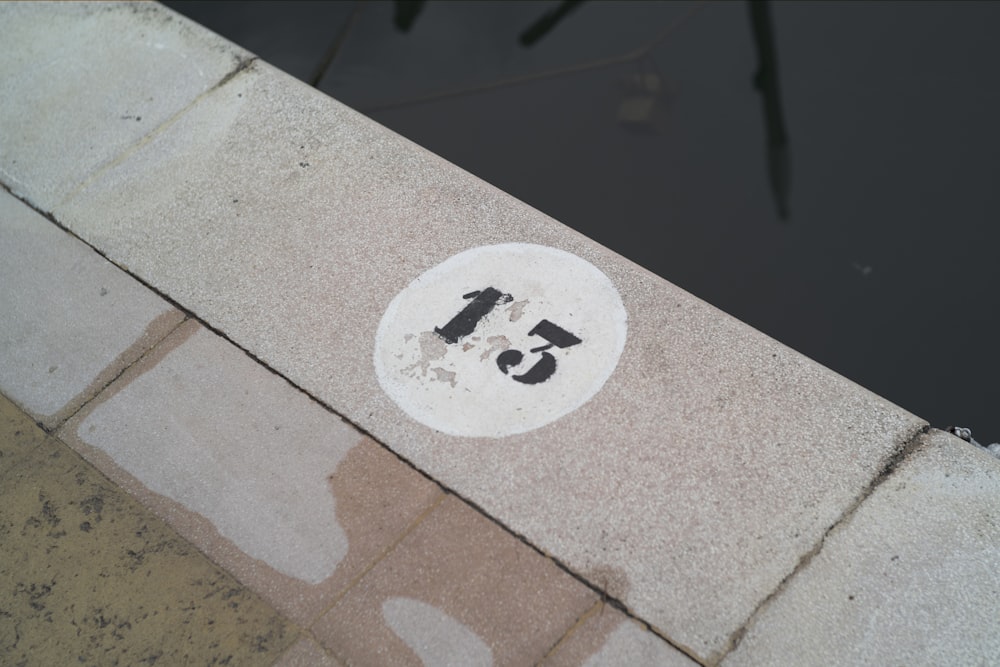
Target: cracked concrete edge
(243,64)
(907,447)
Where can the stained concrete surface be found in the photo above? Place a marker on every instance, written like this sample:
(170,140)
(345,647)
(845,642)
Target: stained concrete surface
(457,590)
(88,576)
(285,495)
(215,432)
(712,460)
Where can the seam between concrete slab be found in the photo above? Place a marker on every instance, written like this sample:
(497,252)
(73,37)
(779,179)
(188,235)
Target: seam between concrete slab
(385,552)
(892,463)
(595,608)
(605,598)
(96,391)
(242,65)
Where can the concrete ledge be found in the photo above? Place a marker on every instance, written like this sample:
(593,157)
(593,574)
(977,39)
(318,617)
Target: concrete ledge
(699,477)
(910,578)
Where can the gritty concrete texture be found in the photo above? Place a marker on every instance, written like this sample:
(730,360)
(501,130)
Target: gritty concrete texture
(912,578)
(251,470)
(58,297)
(607,637)
(82,82)
(689,487)
(458,590)
(306,653)
(89,577)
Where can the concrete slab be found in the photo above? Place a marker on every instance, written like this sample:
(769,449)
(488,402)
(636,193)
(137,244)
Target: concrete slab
(608,637)
(913,577)
(58,346)
(458,590)
(291,499)
(688,487)
(88,576)
(82,82)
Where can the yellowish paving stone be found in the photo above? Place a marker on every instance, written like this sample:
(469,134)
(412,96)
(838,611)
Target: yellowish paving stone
(89,577)
(17,435)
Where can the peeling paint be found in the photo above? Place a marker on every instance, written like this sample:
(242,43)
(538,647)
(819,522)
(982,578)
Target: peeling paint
(516,310)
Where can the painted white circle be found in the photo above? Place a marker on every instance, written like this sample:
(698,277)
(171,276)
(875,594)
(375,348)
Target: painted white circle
(500,339)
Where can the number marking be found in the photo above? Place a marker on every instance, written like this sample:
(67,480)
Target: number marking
(483,302)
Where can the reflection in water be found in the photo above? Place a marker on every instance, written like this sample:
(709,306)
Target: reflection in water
(542,26)
(406,13)
(636,110)
(766,81)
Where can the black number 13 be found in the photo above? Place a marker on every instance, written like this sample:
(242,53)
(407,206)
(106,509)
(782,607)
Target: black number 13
(482,303)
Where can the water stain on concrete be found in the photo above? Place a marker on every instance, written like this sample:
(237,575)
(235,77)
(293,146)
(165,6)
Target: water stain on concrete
(612,580)
(157,329)
(182,432)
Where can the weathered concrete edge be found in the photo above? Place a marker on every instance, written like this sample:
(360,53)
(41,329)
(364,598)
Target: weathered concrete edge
(903,452)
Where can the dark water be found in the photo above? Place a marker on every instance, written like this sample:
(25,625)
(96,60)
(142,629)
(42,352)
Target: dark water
(845,202)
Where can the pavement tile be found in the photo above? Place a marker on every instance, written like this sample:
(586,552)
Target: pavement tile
(911,578)
(81,82)
(72,320)
(688,487)
(306,653)
(608,637)
(287,496)
(458,590)
(18,439)
(88,576)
